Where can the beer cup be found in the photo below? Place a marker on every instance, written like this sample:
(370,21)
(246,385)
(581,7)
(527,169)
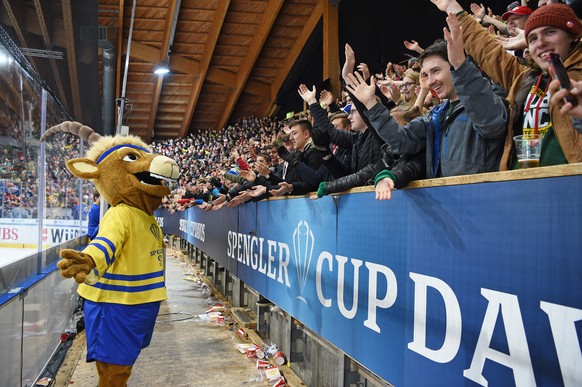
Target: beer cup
(528,148)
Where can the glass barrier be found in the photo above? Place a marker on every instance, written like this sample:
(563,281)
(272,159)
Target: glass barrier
(11,341)
(31,221)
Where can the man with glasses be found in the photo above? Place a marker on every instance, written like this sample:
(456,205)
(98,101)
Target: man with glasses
(365,148)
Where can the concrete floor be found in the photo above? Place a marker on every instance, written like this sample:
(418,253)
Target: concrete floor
(189,352)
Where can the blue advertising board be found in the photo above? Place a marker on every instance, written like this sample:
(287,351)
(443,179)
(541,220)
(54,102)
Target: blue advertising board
(473,284)
(205,230)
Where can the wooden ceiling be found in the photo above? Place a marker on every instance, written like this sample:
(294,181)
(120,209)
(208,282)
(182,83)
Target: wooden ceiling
(227,58)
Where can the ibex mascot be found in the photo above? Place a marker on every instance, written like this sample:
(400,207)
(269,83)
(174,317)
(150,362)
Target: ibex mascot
(121,271)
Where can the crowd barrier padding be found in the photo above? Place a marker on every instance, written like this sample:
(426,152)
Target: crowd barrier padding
(438,286)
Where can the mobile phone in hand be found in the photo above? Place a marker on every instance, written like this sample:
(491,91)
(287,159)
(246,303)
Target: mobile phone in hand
(558,71)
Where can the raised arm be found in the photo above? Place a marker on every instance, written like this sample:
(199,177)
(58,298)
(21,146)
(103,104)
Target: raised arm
(481,15)
(502,67)
(413,46)
(473,89)
(350,62)
(403,140)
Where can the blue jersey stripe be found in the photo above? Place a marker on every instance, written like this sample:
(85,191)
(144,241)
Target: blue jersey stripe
(138,277)
(109,243)
(104,250)
(129,289)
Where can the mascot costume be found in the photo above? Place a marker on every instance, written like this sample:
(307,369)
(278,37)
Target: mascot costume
(121,271)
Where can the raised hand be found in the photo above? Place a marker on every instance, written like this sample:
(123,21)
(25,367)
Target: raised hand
(350,62)
(558,96)
(262,168)
(248,175)
(447,5)
(326,97)
(308,96)
(75,264)
(364,70)
(394,91)
(361,90)
(517,42)
(384,89)
(454,38)
(413,46)
(478,10)
(253,149)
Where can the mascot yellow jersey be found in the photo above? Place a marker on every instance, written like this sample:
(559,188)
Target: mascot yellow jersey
(131,270)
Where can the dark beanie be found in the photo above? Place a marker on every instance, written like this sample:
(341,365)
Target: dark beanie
(554,15)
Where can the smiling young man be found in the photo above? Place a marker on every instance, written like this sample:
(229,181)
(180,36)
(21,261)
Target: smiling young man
(459,136)
(306,161)
(551,28)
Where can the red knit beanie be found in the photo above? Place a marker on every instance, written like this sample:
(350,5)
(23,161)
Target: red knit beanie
(554,15)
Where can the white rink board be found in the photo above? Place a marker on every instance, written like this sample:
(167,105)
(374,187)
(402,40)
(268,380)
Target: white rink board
(9,255)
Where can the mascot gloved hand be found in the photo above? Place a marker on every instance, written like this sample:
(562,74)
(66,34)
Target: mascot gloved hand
(76,265)
(121,271)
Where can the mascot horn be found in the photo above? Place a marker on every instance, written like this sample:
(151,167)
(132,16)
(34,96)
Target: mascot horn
(121,271)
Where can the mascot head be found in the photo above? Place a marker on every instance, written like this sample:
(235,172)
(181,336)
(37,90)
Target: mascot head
(123,168)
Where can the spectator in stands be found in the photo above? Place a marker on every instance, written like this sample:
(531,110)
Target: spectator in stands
(18,211)
(407,87)
(80,210)
(308,155)
(341,121)
(460,137)
(277,163)
(516,18)
(551,28)
(493,22)
(94,216)
(365,148)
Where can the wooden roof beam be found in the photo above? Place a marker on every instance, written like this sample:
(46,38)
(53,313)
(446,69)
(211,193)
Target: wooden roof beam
(185,65)
(331,67)
(162,56)
(42,9)
(265,25)
(267,106)
(213,35)
(72,58)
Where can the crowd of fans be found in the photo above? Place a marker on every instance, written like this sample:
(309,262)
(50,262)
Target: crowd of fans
(66,198)
(451,110)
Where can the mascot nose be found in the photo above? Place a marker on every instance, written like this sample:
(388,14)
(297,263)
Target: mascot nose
(165,166)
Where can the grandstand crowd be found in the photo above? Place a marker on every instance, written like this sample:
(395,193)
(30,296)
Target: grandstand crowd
(452,109)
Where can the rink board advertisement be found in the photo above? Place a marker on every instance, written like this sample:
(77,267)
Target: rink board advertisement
(205,230)
(24,232)
(460,285)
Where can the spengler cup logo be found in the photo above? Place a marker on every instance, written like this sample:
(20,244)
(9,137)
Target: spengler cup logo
(303,242)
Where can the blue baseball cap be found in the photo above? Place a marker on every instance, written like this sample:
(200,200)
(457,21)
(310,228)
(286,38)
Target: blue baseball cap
(347,109)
